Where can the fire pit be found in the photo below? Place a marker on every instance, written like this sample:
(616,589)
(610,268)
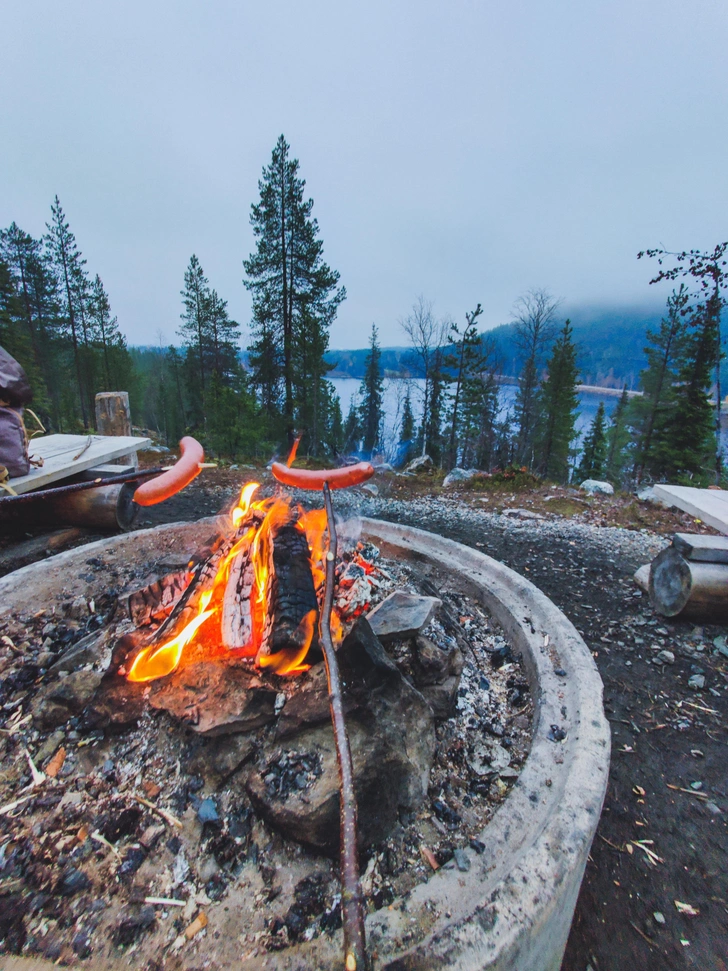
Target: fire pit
(509,900)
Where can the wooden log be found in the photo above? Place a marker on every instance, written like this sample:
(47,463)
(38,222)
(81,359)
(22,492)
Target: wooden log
(236,622)
(689,589)
(706,549)
(113,415)
(113,418)
(290,593)
(107,507)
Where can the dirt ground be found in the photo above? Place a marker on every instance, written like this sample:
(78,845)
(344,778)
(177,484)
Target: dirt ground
(655,892)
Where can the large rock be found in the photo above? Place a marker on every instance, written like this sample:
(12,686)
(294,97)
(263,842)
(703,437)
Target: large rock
(459,475)
(436,673)
(402,615)
(215,698)
(595,487)
(423,463)
(295,783)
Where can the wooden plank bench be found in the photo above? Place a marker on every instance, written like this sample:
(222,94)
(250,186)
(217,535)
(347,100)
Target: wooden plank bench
(67,455)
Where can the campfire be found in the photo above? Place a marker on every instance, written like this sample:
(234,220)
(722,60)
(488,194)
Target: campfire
(216,665)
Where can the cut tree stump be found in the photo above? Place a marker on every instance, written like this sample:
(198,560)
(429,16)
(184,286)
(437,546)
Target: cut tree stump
(690,589)
(113,417)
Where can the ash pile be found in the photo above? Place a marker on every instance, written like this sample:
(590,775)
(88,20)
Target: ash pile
(142,816)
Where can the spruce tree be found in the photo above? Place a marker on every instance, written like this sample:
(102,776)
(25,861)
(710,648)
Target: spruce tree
(292,287)
(372,393)
(594,455)
(558,402)
(352,428)
(534,317)
(465,362)
(407,430)
(195,333)
(618,440)
(68,264)
(650,416)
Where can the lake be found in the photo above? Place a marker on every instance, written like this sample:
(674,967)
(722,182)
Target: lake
(395,390)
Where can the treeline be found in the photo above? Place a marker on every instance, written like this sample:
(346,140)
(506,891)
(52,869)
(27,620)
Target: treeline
(56,320)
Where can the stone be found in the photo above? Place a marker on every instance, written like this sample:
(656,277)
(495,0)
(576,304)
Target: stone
(134,922)
(207,812)
(215,698)
(61,700)
(696,682)
(461,860)
(664,657)
(73,881)
(117,704)
(487,758)
(49,747)
(91,649)
(458,475)
(402,615)
(423,463)
(596,487)
(217,757)
(436,674)
(370,488)
(522,514)
(392,739)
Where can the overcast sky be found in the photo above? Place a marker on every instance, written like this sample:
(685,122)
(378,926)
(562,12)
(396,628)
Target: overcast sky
(461,150)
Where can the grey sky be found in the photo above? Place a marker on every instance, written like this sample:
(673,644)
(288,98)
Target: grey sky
(463,150)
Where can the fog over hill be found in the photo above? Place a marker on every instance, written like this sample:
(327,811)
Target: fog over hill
(610,343)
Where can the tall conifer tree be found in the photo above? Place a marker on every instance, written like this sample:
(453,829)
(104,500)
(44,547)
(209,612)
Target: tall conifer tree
(372,392)
(558,403)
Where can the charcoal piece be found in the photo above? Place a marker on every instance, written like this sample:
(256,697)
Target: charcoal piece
(290,595)
(61,700)
(392,738)
(72,881)
(120,823)
(236,623)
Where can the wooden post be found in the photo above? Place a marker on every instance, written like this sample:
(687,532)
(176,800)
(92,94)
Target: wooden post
(113,417)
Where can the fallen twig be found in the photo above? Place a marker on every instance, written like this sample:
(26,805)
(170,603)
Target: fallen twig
(166,816)
(165,902)
(84,449)
(352,901)
(688,792)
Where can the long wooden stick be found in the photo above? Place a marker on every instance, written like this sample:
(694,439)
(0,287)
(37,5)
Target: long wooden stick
(352,900)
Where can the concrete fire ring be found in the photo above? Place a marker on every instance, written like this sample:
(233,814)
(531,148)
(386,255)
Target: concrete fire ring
(513,909)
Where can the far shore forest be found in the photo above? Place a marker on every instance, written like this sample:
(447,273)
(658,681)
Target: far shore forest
(247,403)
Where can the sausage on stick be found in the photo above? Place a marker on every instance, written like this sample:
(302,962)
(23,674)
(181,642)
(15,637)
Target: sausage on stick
(350,475)
(174,479)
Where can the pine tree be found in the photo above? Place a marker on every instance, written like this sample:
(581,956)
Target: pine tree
(293,289)
(372,394)
(594,455)
(558,403)
(618,440)
(427,335)
(68,264)
(117,367)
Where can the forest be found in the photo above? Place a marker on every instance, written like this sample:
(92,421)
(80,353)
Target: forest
(251,402)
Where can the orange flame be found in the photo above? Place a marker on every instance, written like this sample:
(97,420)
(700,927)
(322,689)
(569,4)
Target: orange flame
(157,661)
(154,662)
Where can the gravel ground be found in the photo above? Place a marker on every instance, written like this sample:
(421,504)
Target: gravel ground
(655,892)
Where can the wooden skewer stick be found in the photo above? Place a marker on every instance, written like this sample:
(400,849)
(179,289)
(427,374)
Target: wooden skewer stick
(352,901)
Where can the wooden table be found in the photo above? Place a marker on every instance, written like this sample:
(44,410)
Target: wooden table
(708,505)
(67,455)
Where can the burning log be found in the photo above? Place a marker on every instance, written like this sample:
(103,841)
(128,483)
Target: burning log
(292,606)
(236,622)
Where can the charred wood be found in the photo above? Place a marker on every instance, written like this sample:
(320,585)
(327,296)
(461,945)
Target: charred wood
(290,594)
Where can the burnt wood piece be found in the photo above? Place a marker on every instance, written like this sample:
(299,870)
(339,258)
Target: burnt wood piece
(236,624)
(290,593)
(154,602)
(706,549)
(689,588)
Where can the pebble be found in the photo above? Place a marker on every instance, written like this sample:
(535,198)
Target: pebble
(659,917)
(696,682)
(207,811)
(665,657)
(461,860)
